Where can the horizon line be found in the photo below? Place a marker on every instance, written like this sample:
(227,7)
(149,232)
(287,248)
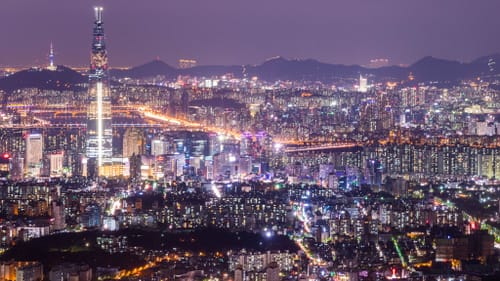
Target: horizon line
(19,67)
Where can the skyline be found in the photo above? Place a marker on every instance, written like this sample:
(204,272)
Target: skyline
(290,153)
(226,33)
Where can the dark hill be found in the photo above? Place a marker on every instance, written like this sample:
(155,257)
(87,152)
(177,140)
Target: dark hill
(150,69)
(425,70)
(433,69)
(63,78)
(282,69)
(279,68)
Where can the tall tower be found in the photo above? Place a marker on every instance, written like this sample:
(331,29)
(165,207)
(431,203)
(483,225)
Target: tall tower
(51,58)
(99,132)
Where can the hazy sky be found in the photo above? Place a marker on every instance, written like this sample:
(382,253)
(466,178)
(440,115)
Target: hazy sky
(248,32)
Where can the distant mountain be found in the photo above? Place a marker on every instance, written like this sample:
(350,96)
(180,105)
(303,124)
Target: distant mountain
(279,68)
(63,78)
(486,59)
(160,68)
(390,73)
(433,69)
(150,69)
(274,69)
(282,69)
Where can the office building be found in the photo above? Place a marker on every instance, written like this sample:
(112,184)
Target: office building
(34,154)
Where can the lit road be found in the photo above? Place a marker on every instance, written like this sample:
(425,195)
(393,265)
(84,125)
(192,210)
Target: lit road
(302,217)
(137,271)
(197,126)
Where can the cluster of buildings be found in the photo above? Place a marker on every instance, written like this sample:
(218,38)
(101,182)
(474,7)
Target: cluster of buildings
(370,181)
(21,271)
(24,270)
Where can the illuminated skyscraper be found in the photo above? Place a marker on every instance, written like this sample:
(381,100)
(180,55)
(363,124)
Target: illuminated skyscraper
(363,84)
(34,154)
(99,132)
(134,142)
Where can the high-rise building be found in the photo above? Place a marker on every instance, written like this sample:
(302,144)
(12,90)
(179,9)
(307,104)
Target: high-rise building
(159,146)
(5,159)
(29,271)
(34,154)
(58,214)
(239,274)
(363,84)
(134,142)
(99,131)
(56,164)
(273,272)
(70,271)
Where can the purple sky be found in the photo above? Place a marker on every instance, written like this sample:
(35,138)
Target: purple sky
(248,32)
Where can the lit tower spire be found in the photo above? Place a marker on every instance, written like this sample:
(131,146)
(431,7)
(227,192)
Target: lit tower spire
(98,14)
(99,132)
(51,58)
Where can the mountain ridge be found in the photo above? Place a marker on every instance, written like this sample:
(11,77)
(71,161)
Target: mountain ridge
(279,68)
(426,69)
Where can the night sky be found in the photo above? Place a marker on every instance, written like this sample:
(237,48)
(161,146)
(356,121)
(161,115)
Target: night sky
(248,32)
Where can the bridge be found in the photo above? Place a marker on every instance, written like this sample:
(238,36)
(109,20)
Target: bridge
(77,125)
(324,148)
(61,111)
(46,114)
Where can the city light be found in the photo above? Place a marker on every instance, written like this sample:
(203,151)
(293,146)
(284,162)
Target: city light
(284,169)
(99,124)
(215,190)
